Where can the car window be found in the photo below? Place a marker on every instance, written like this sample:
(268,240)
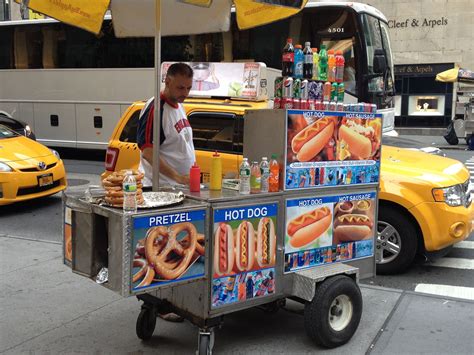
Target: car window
(6,133)
(129,133)
(217,131)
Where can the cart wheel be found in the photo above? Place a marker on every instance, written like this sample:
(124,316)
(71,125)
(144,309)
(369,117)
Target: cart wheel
(146,322)
(332,317)
(205,343)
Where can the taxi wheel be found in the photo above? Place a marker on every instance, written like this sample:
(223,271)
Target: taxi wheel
(397,241)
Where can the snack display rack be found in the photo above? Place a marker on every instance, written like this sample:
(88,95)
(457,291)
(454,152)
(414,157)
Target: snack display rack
(219,252)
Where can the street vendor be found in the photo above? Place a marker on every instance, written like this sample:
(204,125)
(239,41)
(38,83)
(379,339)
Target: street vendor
(176,136)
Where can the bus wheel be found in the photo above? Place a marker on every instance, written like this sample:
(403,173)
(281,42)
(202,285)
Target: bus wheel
(332,317)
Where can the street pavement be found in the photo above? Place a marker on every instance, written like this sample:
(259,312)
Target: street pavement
(47,309)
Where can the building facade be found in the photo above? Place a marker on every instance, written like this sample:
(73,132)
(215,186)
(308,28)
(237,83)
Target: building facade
(427,36)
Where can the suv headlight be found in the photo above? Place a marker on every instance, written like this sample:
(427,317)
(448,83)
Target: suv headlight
(4,168)
(453,195)
(55,153)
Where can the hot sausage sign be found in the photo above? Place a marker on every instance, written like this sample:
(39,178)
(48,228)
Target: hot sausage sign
(328,229)
(244,253)
(332,148)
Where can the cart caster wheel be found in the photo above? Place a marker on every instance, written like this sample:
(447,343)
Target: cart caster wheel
(206,343)
(332,317)
(146,322)
(273,307)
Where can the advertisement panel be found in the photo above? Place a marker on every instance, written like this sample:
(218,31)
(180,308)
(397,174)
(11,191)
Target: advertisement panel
(167,248)
(332,149)
(329,229)
(244,253)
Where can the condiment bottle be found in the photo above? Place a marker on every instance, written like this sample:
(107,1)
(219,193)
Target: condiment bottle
(216,172)
(195,178)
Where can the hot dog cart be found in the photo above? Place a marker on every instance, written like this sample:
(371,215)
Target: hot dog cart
(217,252)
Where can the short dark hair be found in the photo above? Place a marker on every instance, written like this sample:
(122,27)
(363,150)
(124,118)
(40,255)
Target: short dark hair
(180,69)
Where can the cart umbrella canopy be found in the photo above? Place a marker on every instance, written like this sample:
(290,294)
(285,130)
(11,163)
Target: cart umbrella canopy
(456,75)
(156,18)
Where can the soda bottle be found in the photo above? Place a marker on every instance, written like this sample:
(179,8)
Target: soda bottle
(340,92)
(244,173)
(339,67)
(331,66)
(327,91)
(288,58)
(315,64)
(334,88)
(129,187)
(308,61)
(323,63)
(274,179)
(265,173)
(298,64)
(255,178)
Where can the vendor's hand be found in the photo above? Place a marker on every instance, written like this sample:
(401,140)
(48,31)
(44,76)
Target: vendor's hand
(183,179)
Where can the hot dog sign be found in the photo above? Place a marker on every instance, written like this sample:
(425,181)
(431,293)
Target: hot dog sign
(332,148)
(167,248)
(244,253)
(328,229)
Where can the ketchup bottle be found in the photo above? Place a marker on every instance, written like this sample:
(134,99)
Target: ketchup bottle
(195,178)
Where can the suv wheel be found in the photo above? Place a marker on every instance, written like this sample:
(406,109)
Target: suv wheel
(396,243)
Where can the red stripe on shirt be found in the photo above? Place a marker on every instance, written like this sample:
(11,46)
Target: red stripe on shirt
(149,126)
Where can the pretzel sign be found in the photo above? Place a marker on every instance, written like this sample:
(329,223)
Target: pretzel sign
(161,246)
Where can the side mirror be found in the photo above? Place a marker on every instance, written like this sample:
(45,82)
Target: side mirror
(380,62)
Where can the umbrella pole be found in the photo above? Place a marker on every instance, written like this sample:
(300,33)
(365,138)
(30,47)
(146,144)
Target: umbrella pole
(156,118)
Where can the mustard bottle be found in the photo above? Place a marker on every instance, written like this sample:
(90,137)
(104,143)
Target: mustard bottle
(216,172)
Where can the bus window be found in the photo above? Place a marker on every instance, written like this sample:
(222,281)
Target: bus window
(28,48)
(6,48)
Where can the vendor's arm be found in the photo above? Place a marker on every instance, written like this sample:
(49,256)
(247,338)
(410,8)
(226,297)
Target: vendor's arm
(165,168)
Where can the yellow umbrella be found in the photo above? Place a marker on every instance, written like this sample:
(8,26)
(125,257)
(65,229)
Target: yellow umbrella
(455,74)
(136,18)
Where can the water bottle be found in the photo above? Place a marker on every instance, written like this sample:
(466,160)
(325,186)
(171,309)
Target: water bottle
(298,65)
(244,173)
(129,187)
(265,173)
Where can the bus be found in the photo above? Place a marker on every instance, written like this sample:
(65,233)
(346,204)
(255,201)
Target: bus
(72,86)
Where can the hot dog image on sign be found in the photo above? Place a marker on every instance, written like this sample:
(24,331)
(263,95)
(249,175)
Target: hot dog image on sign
(359,139)
(354,220)
(167,248)
(244,249)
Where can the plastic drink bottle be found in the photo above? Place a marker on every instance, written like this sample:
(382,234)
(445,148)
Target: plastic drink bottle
(308,61)
(340,92)
(334,88)
(331,66)
(339,67)
(327,91)
(288,58)
(315,64)
(323,63)
(255,178)
(274,179)
(195,178)
(244,172)
(298,65)
(265,174)
(129,187)
(216,172)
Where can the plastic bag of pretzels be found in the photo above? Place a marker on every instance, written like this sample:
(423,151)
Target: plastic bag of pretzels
(114,190)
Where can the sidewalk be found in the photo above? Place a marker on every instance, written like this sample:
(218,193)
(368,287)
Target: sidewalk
(45,308)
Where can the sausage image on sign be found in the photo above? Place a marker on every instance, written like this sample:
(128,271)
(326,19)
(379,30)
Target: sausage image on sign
(266,243)
(352,227)
(311,140)
(223,250)
(244,246)
(361,141)
(309,226)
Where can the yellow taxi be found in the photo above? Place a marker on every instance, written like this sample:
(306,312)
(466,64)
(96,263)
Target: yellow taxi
(27,169)
(424,201)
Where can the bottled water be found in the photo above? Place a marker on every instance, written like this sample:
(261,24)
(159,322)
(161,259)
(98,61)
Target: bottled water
(244,173)
(265,173)
(129,187)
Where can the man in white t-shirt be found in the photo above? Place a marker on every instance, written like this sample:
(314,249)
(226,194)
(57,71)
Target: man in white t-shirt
(176,136)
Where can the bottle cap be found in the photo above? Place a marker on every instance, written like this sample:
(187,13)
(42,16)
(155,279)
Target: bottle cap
(314,49)
(274,156)
(339,52)
(216,154)
(307,44)
(298,46)
(264,158)
(195,165)
(331,51)
(289,40)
